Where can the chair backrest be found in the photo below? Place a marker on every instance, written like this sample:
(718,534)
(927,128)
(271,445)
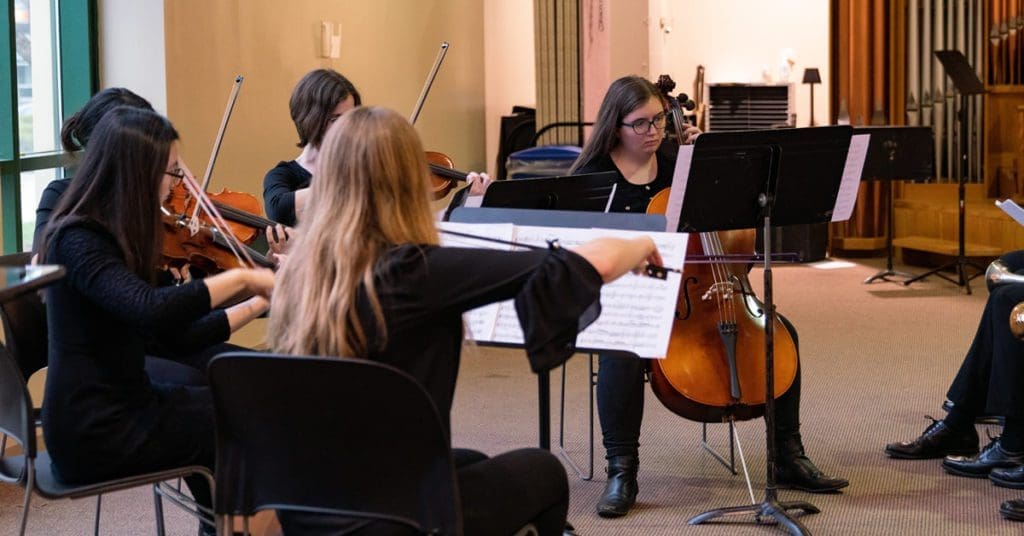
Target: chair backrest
(15,414)
(24,323)
(324,435)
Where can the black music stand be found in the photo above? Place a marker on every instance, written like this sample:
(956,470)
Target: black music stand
(558,218)
(966,82)
(897,153)
(772,177)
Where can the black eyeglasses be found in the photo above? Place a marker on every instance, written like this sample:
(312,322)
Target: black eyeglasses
(178,175)
(643,126)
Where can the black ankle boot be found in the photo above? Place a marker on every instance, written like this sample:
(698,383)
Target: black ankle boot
(620,490)
(794,470)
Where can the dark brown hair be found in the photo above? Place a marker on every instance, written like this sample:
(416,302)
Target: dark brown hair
(117,185)
(75,133)
(313,100)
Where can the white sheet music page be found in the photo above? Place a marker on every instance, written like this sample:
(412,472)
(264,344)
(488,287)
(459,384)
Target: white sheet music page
(1012,209)
(480,322)
(851,177)
(679,179)
(636,311)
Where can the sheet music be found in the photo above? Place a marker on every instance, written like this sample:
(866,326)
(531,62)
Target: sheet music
(679,179)
(852,171)
(1012,209)
(637,311)
(480,322)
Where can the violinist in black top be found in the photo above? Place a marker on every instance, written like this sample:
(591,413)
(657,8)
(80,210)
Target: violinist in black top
(629,129)
(103,415)
(317,101)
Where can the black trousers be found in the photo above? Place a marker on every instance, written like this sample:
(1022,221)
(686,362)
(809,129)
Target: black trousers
(991,376)
(499,496)
(620,402)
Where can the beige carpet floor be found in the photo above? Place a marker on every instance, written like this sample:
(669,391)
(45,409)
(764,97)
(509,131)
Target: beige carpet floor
(876,359)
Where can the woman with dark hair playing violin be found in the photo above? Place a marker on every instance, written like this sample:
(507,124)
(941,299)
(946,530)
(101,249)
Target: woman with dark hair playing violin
(103,417)
(629,129)
(163,364)
(318,100)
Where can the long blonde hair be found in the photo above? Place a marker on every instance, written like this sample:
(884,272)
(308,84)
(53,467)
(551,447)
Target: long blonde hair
(370,193)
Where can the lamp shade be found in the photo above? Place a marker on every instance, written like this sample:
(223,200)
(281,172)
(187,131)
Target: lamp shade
(812,76)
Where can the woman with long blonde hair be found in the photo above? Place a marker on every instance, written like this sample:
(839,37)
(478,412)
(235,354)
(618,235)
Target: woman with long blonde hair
(367,279)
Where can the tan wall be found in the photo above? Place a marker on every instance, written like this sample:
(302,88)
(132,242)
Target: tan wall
(387,49)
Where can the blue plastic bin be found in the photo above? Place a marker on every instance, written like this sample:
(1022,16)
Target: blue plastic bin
(546,161)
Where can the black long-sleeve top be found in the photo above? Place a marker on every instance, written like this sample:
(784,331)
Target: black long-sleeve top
(279,187)
(47,202)
(631,197)
(99,401)
(424,290)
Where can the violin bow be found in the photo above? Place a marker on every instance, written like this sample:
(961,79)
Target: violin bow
(199,191)
(216,219)
(650,270)
(430,81)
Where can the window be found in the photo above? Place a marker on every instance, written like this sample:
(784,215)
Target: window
(49,53)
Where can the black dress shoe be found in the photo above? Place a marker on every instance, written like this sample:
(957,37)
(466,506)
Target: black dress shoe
(991,457)
(621,489)
(1008,478)
(937,441)
(1013,509)
(794,470)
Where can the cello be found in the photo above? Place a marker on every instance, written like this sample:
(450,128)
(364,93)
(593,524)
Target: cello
(714,369)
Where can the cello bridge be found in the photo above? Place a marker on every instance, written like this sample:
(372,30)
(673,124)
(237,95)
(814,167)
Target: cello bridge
(722,290)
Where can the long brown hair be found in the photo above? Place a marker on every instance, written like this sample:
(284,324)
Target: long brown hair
(371,193)
(117,185)
(624,96)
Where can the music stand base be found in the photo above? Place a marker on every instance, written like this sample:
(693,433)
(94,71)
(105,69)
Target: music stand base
(960,267)
(884,275)
(763,512)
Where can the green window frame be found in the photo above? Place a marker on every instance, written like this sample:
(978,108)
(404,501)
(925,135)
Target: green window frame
(79,80)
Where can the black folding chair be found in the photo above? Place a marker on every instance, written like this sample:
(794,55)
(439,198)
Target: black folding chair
(32,469)
(372,449)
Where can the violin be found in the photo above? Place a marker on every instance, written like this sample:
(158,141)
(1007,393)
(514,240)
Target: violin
(443,175)
(714,369)
(241,211)
(206,249)
(196,230)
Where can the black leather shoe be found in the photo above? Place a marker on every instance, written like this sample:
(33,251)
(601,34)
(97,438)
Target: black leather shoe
(937,441)
(1013,509)
(794,470)
(1008,478)
(621,488)
(991,457)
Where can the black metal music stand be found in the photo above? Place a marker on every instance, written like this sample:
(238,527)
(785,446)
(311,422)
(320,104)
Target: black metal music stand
(897,153)
(966,82)
(773,177)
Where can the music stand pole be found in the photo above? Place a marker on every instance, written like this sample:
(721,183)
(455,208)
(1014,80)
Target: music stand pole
(770,507)
(961,262)
(966,82)
(889,271)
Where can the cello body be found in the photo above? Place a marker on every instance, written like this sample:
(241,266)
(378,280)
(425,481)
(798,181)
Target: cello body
(714,370)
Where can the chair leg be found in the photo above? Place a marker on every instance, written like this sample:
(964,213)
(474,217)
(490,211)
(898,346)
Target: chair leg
(30,484)
(158,509)
(96,524)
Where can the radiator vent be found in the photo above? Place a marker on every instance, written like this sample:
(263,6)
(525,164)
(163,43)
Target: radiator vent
(749,106)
